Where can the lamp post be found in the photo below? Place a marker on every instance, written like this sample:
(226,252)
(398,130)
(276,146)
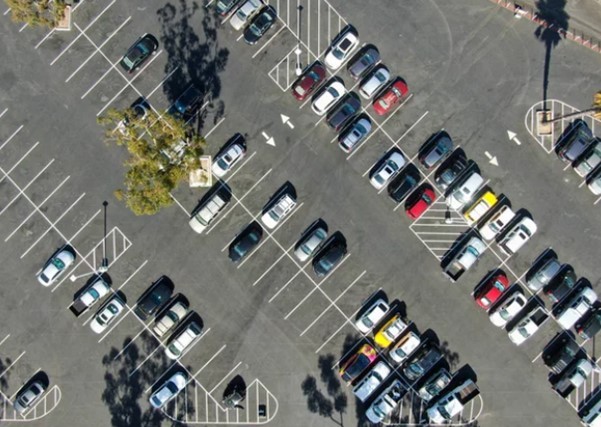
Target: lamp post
(104,266)
(299,68)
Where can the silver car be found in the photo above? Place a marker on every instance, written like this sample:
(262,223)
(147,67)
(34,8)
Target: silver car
(28,396)
(374,81)
(589,160)
(391,165)
(168,390)
(309,245)
(244,13)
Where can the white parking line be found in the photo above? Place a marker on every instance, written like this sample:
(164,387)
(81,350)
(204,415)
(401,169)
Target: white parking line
(268,41)
(209,361)
(131,342)
(225,377)
(273,265)
(214,127)
(12,364)
(336,333)
(180,205)
(3,112)
(5,338)
(15,166)
(11,137)
(287,283)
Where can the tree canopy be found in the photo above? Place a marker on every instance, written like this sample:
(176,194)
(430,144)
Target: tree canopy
(37,13)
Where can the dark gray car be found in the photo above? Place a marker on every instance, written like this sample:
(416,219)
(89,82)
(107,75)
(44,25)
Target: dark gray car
(561,284)
(155,298)
(363,62)
(543,275)
(576,142)
(422,361)
(588,327)
(436,151)
(344,111)
(450,170)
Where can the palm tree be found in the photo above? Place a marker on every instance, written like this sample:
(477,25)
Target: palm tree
(595,109)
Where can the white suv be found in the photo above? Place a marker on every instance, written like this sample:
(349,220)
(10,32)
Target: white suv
(518,236)
(282,207)
(372,316)
(183,340)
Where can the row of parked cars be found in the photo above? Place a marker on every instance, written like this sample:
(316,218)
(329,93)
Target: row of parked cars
(396,346)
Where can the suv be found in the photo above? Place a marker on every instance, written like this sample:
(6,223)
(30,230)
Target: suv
(187,104)
(436,151)
(405,347)
(450,170)
(518,236)
(183,340)
(372,316)
(435,384)
(154,298)
(172,316)
(208,212)
(497,222)
(561,284)
(330,254)
(422,361)
(282,207)
(345,110)
(404,183)
(576,307)
(544,274)
(561,355)
(464,190)
(363,62)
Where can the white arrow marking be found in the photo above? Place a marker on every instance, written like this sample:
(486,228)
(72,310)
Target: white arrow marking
(284,118)
(492,159)
(290,125)
(512,137)
(265,135)
(271,142)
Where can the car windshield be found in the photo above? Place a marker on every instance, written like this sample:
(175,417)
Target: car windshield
(379,412)
(504,314)
(222,163)
(473,251)
(94,294)
(415,369)
(338,53)
(427,198)
(499,286)
(58,263)
(444,413)
(358,366)
(523,332)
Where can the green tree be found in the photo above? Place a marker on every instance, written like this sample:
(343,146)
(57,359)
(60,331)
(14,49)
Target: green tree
(162,153)
(37,13)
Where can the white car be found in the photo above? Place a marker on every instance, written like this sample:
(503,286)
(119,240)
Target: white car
(282,207)
(341,49)
(372,316)
(183,340)
(463,192)
(328,96)
(576,307)
(224,162)
(244,13)
(372,381)
(56,266)
(391,165)
(518,236)
(168,390)
(508,309)
(375,81)
(107,314)
(384,404)
(28,397)
(403,349)
(170,318)
(496,223)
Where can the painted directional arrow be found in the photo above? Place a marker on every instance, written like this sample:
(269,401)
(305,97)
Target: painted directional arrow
(513,137)
(286,120)
(491,159)
(270,140)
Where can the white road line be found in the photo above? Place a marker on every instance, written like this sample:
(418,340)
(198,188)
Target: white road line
(273,265)
(81,32)
(97,82)
(95,52)
(268,41)
(3,113)
(287,283)
(131,342)
(15,166)
(144,361)
(209,361)
(214,127)
(85,225)
(180,205)
(12,364)
(336,333)
(11,137)
(5,338)
(46,36)
(225,377)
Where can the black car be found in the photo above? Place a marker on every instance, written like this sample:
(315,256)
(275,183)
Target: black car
(363,62)
(436,151)
(588,327)
(450,170)
(579,138)
(245,241)
(561,284)
(332,252)
(155,298)
(561,355)
(139,52)
(344,111)
(187,104)
(259,24)
(404,183)
(422,361)
(224,6)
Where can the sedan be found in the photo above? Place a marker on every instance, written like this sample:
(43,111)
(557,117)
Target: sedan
(187,103)
(259,25)
(244,13)
(508,309)
(341,48)
(374,81)
(107,314)
(155,298)
(354,133)
(372,316)
(420,201)
(168,390)
(391,97)
(245,241)
(357,363)
(491,291)
(224,6)
(225,161)
(56,266)
(27,397)
(436,151)
(329,256)
(404,183)
(390,331)
(344,111)
(309,245)
(363,62)
(450,170)
(391,165)
(328,96)
(310,80)
(139,52)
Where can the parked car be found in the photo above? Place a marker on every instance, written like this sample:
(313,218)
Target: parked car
(435,383)
(208,211)
(331,93)
(436,151)
(227,159)
(136,112)
(422,361)
(419,201)
(154,298)
(310,80)
(170,318)
(328,257)
(517,237)
(245,241)
(27,397)
(260,24)
(184,339)
(386,402)
(168,390)
(55,266)
(590,414)
(496,223)
(344,111)
(561,284)
(341,48)
(405,347)
(594,182)
(107,314)
(223,7)
(374,81)
(363,62)
(489,293)
(508,309)
(306,247)
(139,52)
(357,363)
(354,133)
(450,170)
(278,210)
(187,104)
(589,160)
(372,316)
(404,183)
(372,380)
(480,207)
(588,327)
(543,274)
(561,354)
(576,142)
(392,163)
(577,306)
(390,97)
(390,331)
(244,13)
(528,325)
(464,190)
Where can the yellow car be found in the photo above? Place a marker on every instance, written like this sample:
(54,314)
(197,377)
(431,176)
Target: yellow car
(479,209)
(390,331)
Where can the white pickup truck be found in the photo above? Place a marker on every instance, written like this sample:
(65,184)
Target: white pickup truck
(452,403)
(207,213)
(528,325)
(576,307)
(465,258)
(574,377)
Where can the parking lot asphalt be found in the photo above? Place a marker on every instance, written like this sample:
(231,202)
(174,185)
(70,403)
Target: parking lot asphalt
(472,69)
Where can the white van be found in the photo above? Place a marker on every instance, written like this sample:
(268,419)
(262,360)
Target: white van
(183,340)
(464,191)
(207,213)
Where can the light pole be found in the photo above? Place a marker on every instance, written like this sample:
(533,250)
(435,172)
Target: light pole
(299,68)
(104,266)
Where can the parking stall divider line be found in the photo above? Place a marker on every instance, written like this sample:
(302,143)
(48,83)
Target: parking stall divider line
(225,377)
(272,265)
(6,12)
(4,339)
(144,361)
(239,168)
(30,182)
(158,86)
(268,41)
(36,208)
(336,333)
(3,112)
(52,225)
(180,205)
(287,283)
(23,27)
(209,361)
(214,127)
(11,137)
(97,82)
(12,364)
(106,40)
(81,32)
(128,344)
(335,301)
(46,36)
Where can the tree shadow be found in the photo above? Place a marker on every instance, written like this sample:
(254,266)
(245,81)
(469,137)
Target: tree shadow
(451,357)
(549,32)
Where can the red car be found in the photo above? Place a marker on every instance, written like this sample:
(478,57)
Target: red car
(419,201)
(491,291)
(357,363)
(306,84)
(391,97)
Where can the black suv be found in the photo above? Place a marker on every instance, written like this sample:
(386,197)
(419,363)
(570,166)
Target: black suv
(344,111)
(561,284)
(589,326)
(422,361)
(561,355)
(450,170)
(404,183)
(154,298)
(332,252)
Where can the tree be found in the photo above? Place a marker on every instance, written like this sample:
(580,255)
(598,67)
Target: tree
(595,109)
(37,13)
(162,153)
